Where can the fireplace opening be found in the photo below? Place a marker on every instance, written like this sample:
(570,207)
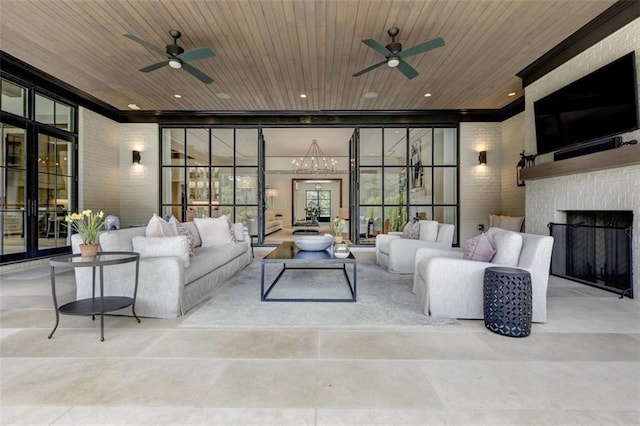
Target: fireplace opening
(594,248)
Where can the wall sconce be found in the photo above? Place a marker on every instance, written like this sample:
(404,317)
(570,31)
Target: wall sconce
(482,157)
(521,165)
(135,157)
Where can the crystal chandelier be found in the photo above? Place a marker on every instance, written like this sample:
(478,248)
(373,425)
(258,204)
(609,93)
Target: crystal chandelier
(314,162)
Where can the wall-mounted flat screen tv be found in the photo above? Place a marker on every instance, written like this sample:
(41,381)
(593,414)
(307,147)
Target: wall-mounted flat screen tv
(601,104)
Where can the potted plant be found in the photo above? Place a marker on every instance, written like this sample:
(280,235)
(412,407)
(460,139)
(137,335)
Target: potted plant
(337,228)
(313,212)
(87,224)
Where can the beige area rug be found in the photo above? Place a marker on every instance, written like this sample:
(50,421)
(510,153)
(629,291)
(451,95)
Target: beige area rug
(383,300)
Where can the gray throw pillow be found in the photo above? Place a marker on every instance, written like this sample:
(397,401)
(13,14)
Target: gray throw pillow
(411,231)
(479,248)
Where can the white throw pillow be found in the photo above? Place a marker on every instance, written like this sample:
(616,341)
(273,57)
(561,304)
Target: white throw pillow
(158,227)
(214,231)
(238,231)
(508,246)
(180,229)
(479,248)
(162,247)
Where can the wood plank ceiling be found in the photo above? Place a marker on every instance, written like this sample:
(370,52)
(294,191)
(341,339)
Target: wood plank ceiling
(269,52)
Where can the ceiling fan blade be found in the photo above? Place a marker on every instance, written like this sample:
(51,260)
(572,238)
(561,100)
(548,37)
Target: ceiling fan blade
(407,70)
(194,55)
(197,73)
(422,47)
(147,45)
(377,47)
(366,70)
(154,66)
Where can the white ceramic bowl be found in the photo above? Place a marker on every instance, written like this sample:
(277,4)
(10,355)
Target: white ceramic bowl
(313,242)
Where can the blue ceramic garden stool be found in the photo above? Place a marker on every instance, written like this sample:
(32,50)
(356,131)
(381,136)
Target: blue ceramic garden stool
(507,301)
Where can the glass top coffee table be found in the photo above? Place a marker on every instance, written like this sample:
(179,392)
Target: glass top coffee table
(287,254)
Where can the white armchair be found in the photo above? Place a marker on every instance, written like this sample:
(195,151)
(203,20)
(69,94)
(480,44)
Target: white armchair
(449,286)
(397,254)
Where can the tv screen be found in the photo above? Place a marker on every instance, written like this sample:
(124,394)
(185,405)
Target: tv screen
(603,103)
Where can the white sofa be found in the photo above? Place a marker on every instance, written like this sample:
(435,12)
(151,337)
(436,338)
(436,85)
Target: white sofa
(166,288)
(271,224)
(449,286)
(397,254)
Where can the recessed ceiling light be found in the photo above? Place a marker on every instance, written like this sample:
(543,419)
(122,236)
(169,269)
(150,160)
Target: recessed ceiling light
(177,96)
(370,95)
(133,106)
(427,95)
(223,95)
(303,96)
(511,94)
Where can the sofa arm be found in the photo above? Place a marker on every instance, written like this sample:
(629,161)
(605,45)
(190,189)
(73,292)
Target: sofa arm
(383,238)
(426,253)
(402,253)
(160,285)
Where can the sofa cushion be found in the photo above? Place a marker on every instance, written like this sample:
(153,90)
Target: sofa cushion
(180,229)
(210,258)
(428,230)
(158,227)
(508,245)
(119,240)
(162,247)
(411,231)
(214,231)
(479,248)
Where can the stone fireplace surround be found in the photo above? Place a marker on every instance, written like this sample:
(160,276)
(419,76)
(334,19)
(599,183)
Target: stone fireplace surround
(548,199)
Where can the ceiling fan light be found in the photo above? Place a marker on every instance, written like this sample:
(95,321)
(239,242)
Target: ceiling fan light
(393,61)
(175,64)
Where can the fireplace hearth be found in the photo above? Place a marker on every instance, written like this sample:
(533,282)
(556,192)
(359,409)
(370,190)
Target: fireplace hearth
(594,248)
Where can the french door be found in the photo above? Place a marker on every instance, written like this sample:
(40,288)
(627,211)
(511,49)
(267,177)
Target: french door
(37,191)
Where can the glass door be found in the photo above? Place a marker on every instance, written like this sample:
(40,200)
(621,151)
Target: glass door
(13,197)
(54,188)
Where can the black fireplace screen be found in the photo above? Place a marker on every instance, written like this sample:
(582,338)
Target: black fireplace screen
(596,254)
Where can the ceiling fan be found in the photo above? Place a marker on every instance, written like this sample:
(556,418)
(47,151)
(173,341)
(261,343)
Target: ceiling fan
(176,57)
(395,56)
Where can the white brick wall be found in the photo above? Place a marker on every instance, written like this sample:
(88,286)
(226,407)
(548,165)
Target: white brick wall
(98,163)
(480,186)
(108,181)
(614,189)
(140,182)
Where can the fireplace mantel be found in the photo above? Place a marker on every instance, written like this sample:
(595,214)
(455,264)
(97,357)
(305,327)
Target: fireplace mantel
(620,157)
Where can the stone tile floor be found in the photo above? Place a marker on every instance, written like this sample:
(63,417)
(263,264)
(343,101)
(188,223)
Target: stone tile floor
(581,367)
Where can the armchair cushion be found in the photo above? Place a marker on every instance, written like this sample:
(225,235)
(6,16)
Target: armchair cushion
(508,245)
(428,230)
(479,248)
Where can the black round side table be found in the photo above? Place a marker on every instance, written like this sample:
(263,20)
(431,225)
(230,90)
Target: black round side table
(507,301)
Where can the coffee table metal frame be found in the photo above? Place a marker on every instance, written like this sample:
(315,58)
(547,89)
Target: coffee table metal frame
(102,304)
(287,253)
